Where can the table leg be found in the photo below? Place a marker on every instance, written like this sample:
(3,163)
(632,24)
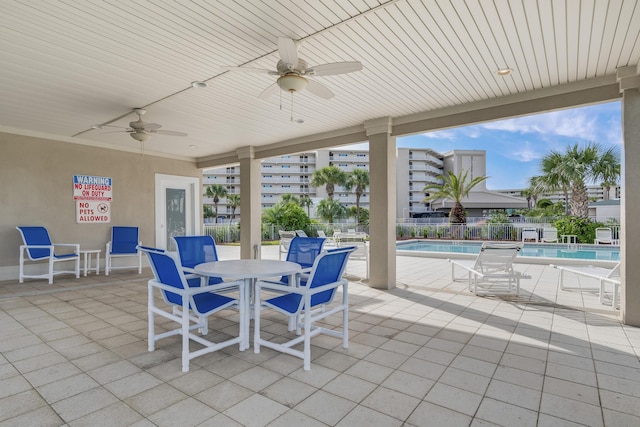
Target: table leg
(86,255)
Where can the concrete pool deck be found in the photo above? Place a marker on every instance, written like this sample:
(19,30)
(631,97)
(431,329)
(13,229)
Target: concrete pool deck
(425,353)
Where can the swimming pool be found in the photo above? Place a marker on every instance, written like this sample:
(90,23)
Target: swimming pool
(530,250)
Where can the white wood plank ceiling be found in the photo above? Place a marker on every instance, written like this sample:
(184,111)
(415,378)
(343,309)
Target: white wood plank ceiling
(67,65)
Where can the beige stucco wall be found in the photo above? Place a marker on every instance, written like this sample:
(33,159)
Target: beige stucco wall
(36,188)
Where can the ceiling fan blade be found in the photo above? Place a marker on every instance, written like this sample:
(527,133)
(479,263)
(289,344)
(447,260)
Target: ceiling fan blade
(318,89)
(168,132)
(269,91)
(152,126)
(288,52)
(334,68)
(250,70)
(115,131)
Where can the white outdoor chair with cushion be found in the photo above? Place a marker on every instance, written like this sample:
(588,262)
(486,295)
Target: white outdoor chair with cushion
(549,235)
(186,296)
(307,304)
(330,241)
(604,236)
(124,244)
(529,234)
(38,247)
(492,273)
(601,274)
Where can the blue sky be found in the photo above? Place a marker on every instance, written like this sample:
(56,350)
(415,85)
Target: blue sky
(515,146)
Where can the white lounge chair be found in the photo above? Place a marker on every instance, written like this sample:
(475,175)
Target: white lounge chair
(285,240)
(358,240)
(604,236)
(529,234)
(603,275)
(549,235)
(492,273)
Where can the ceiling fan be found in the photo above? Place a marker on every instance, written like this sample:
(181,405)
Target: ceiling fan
(141,131)
(294,72)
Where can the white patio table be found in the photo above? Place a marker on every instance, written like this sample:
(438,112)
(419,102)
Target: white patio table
(249,270)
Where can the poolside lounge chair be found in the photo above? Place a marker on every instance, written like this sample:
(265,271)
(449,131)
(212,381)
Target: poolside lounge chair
(38,247)
(549,235)
(285,240)
(359,242)
(603,275)
(331,241)
(306,305)
(301,233)
(492,273)
(529,234)
(604,236)
(186,298)
(124,244)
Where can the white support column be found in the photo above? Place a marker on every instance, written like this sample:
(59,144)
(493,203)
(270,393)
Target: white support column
(382,216)
(250,206)
(629,79)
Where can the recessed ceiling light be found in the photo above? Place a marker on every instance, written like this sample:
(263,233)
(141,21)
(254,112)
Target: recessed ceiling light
(198,84)
(504,71)
(193,146)
(298,121)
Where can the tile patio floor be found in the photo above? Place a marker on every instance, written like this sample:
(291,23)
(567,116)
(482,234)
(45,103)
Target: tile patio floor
(427,353)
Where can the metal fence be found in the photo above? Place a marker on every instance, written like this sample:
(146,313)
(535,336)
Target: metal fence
(227,233)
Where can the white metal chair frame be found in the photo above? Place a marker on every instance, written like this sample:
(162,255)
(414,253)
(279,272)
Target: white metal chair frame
(304,318)
(604,236)
(602,275)
(285,239)
(492,273)
(549,235)
(51,258)
(184,317)
(359,241)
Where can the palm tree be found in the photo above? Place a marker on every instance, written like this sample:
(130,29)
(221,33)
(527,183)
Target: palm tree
(534,190)
(306,202)
(577,166)
(288,197)
(329,176)
(454,187)
(216,191)
(554,176)
(526,193)
(329,210)
(233,201)
(359,180)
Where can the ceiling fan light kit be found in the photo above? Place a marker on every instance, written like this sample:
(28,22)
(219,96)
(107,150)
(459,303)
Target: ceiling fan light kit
(292,83)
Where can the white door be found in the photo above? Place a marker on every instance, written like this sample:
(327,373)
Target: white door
(177,208)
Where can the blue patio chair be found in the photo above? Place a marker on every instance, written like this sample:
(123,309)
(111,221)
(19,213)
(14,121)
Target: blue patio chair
(194,250)
(191,306)
(38,247)
(307,304)
(303,251)
(124,244)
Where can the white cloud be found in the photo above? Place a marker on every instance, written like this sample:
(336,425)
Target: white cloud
(567,123)
(523,153)
(441,134)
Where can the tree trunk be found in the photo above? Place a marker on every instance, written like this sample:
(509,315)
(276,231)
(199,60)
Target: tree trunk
(458,215)
(579,200)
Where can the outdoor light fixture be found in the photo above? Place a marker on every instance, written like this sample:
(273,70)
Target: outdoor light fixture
(199,85)
(292,83)
(504,71)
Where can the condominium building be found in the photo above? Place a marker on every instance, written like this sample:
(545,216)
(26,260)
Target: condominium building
(595,193)
(416,168)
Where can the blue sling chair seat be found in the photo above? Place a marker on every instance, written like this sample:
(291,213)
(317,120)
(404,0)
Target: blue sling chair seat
(123,244)
(38,247)
(192,305)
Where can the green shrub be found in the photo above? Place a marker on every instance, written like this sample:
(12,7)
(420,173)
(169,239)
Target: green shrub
(584,228)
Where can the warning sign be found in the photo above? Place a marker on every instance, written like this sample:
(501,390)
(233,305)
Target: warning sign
(92,212)
(87,187)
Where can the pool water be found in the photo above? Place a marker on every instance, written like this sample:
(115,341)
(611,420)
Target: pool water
(546,250)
